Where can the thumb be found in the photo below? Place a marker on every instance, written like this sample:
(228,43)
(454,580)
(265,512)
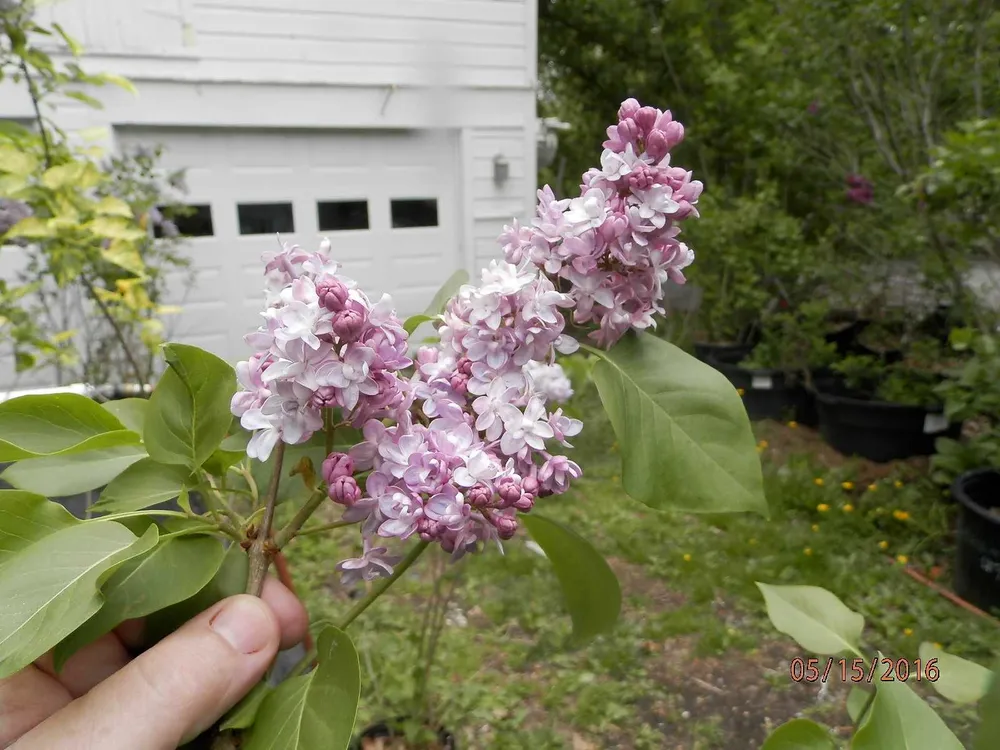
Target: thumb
(174,691)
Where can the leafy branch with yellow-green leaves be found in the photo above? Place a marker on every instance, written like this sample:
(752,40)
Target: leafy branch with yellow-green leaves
(84,232)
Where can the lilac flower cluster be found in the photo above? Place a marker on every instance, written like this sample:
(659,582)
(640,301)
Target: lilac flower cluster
(614,246)
(454,451)
(322,344)
(451,453)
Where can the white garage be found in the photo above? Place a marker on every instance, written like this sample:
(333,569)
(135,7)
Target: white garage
(385,200)
(403,130)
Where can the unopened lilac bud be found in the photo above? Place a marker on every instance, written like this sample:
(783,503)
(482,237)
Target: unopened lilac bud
(447,542)
(429,530)
(529,485)
(480,496)
(509,491)
(344,490)
(506,527)
(325,246)
(656,145)
(674,133)
(337,465)
(324,397)
(348,324)
(460,383)
(645,118)
(332,294)
(464,366)
(628,109)
(525,503)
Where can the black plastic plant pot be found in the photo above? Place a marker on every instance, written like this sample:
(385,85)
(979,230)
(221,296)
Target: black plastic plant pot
(723,352)
(977,543)
(878,430)
(846,337)
(769,394)
(393,729)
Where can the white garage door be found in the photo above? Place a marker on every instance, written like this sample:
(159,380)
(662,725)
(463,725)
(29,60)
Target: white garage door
(386,200)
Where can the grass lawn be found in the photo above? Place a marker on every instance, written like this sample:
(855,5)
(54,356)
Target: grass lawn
(694,662)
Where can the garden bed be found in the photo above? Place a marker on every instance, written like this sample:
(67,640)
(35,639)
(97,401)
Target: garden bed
(689,611)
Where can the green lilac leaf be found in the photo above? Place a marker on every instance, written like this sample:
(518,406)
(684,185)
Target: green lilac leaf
(814,618)
(229,580)
(448,290)
(901,720)
(685,439)
(188,414)
(142,485)
(959,680)
(72,473)
(26,517)
(244,713)
(131,412)
(799,734)
(175,570)
(988,736)
(58,424)
(52,586)
(316,710)
(593,595)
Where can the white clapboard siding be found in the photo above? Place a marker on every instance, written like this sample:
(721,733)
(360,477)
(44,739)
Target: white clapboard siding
(494,205)
(467,43)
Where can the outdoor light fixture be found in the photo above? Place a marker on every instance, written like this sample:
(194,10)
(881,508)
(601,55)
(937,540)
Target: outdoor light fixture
(501,169)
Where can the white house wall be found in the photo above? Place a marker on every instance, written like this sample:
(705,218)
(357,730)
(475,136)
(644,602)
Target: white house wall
(475,43)
(462,66)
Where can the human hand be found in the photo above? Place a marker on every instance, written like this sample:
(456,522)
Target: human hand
(105,700)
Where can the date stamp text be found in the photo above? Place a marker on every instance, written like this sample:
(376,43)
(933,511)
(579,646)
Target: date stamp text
(856,670)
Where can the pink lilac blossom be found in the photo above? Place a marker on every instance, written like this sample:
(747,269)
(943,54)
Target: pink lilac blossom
(454,449)
(613,247)
(450,453)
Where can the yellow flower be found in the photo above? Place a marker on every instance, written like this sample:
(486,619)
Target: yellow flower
(760,449)
(872,487)
(907,631)
(900,515)
(818,481)
(815,527)
(847,485)
(902,559)
(687,558)
(808,551)
(883,544)
(740,392)
(793,424)
(898,484)
(762,444)
(938,645)
(847,508)
(822,507)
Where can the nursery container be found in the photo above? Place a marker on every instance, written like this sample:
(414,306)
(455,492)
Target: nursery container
(977,548)
(387,730)
(878,430)
(846,337)
(768,394)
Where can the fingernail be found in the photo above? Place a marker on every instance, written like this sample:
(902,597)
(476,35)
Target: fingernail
(245,623)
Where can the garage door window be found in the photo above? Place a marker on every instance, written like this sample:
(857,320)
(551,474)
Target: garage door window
(338,216)
(190,221)
(265,218)
(414,212)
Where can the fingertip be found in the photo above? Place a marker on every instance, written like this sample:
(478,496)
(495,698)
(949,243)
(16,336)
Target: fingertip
(293,620)
(248,624)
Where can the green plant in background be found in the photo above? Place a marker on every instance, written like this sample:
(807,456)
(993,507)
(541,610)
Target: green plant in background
(751,255)
(886,711)
(795,342)
(81,228)
(912,380)
(972,395)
